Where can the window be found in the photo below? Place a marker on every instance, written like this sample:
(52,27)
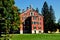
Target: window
(39,27)
(40,23)
(31,14)
(37,22)
(40,18)
(39,31)
(34,17)
(34,27)
(34,22)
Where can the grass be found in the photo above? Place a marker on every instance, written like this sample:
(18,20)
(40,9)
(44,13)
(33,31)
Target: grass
(35,37)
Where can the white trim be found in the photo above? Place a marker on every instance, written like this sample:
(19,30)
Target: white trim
(32,31)
(42,31)
(21,31)
(37,31)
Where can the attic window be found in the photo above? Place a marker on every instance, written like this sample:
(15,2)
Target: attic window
(31,14)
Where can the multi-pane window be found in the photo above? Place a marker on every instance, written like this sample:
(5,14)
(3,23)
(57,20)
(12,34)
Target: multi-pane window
(39,18)
(34,27)
(37,22)
(40,23)
(34,17)
(34,22)
(39,27)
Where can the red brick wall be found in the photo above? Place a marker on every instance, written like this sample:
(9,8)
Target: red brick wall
(27,14)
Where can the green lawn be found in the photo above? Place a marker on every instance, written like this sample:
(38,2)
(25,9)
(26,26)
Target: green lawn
(35,37)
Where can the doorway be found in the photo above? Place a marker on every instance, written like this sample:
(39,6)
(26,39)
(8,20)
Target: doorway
(27,26)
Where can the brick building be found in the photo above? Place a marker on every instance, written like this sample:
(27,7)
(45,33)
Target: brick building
(31,21)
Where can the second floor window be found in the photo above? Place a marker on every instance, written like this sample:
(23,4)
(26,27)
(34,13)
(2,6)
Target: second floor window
(34,22)
(40,23)
(39,18)
(34,17)
(37,22)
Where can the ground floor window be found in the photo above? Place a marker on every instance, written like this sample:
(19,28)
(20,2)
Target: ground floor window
(39,31)
(34,27)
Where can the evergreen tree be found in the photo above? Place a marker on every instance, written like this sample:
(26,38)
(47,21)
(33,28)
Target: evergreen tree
(45,12)
(52,19)
(49,18)
(52,13)
(59,21)
(58,24)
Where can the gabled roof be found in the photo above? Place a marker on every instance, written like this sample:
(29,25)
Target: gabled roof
(31,9)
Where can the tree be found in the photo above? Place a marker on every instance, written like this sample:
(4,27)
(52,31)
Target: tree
(2,17)
(59,21)
(52,13)
(49,18)
(52,19)
(9,17)
(45,12)
(16,19)
(58,24)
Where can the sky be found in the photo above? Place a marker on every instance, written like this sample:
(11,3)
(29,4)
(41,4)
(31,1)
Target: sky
(23,4)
